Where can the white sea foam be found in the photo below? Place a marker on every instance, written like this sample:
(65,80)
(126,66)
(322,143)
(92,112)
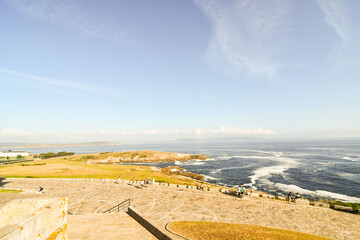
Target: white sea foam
(350,159)
(223,158)
(221,169)
(322,148)
(350,176)
(215,171)
(262,174)
(196,162)
(321,193)
(206,177)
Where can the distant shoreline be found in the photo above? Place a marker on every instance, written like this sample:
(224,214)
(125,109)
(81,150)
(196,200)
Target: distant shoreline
(54,145)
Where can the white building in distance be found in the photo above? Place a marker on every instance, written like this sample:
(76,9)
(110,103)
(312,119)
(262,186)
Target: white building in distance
(10,153)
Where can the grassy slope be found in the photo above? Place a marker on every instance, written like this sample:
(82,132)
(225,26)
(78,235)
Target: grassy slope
(222,231)
(60,168)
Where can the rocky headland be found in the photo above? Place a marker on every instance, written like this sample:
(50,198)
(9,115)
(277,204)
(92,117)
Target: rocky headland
(138,156)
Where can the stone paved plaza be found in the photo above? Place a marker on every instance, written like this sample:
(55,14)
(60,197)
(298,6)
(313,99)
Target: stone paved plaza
(163,204)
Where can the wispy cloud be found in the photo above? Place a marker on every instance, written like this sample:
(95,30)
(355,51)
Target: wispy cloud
(336,13)
(248,33)
(59,82)
(70,14)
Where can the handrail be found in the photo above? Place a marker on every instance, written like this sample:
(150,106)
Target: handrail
(123,205)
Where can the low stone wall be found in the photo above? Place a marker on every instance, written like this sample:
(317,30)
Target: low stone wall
(302,202)
(343,208)
(320,204)
(34,219)
(162,235)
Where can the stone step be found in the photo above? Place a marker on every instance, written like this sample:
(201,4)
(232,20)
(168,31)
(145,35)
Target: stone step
(94,226)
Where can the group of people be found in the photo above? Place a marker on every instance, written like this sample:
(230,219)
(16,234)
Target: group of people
(241,191)
(291,197)
(147,181)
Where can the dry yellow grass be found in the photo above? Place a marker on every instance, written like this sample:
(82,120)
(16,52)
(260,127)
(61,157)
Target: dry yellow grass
(59,168)
(223,231)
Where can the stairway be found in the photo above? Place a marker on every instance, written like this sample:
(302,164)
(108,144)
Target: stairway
(96,226)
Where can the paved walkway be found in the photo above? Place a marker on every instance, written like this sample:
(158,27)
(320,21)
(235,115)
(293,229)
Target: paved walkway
(163,204)
(95,226)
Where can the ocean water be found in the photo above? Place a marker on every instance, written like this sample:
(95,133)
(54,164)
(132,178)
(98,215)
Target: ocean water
(328,169)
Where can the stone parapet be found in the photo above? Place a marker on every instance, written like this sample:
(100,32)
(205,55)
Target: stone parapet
(320,204)
(34,219)
(343,208)
(302,202)
(254,194)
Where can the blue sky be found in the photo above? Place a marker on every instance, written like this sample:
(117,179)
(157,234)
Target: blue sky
(158,70)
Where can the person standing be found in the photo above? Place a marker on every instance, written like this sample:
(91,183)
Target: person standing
(239,191)
(242,191)
(289,196)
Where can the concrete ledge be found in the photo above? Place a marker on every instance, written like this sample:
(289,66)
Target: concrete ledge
(160,234)
(302,202)
(270,196)
(343,208)
(320,204)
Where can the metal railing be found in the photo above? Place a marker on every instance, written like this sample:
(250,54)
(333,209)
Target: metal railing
(120,207)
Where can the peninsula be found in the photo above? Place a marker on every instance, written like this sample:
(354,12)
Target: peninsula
(135,156)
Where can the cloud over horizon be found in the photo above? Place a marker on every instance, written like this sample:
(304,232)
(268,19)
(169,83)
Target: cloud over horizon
(230,131)
(10,132)
(114,135)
